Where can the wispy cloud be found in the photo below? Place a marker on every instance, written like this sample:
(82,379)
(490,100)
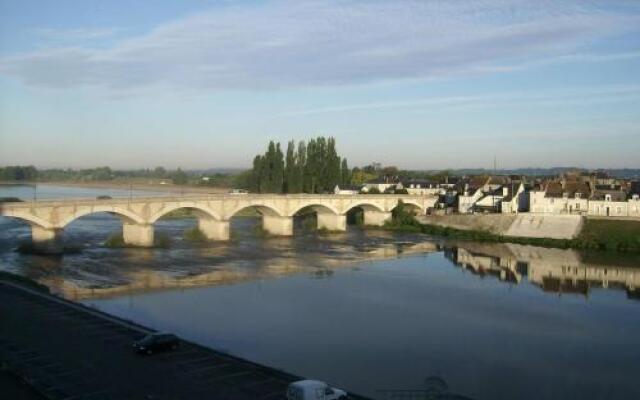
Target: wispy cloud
(74,35)
(552,98)
(325,42)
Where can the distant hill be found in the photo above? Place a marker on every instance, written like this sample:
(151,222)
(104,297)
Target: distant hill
(624,173)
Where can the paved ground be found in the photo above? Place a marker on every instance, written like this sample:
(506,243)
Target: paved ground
(67,351)
(11,387)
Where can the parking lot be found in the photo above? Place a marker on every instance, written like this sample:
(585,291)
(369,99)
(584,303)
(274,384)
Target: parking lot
(68,351)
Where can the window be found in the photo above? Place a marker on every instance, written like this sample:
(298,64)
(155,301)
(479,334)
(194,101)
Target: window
(577,206)
(619,210)
(578,195)
(607,197)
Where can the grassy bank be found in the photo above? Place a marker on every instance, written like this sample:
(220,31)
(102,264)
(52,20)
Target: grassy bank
(606,234)
(594,236)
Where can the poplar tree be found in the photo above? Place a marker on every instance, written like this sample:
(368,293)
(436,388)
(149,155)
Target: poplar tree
(290,184)
(278,171)
(301,162)
(315,167)
(345,173)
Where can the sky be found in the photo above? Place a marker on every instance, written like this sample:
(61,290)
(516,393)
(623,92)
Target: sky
(417,84)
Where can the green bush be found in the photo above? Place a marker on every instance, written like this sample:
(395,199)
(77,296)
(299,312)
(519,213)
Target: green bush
(115,241)
(195,235)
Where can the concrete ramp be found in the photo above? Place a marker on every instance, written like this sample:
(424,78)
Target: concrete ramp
(545,226)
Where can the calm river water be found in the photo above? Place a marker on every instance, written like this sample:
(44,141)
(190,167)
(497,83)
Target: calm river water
(371,312)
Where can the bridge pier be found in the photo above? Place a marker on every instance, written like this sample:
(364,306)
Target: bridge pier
(376,218)
(140,235)
(214,229)
(276,225)
(47,240)
(332,222)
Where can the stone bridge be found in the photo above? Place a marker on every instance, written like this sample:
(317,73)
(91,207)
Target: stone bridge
(138,214)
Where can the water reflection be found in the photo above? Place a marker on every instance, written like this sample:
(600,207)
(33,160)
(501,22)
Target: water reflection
(553,270)
(98,271)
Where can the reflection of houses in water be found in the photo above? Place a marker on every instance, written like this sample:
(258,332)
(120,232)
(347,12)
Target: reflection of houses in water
(553,270)
(503,268)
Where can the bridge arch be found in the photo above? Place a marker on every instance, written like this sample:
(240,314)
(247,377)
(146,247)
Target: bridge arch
(263,209)
(318,208)
(32,220)
(126,215)
(365,205)
(200,212)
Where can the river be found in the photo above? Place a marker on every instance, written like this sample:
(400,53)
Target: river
(369,311)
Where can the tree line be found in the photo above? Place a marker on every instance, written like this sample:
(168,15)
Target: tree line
(99,174)
(313,167)
(18,173)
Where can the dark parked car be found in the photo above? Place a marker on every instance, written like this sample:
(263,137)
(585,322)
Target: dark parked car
(156,342)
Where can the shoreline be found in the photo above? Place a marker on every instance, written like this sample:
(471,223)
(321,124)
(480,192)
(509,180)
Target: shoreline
(150,187)
(595,239)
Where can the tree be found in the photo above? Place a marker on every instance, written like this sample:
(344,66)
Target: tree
(159,172)
(256,173)
(333,175)
(310,173)
(314,168)
(290,169)
(301,162)
(373,190)
(390,171)
(277,182)
(345,173)
(179,177)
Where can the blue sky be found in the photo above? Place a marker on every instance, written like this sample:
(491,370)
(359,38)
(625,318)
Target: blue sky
(418,84)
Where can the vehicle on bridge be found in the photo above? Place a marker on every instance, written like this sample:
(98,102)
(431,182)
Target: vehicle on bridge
(238,191)
(309,389)
(156,342)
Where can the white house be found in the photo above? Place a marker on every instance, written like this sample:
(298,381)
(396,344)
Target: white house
(577,198)
(559,198)
(347,189)
(381,185)
(516,199)
(422,187)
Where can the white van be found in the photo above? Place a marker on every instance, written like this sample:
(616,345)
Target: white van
(314,390)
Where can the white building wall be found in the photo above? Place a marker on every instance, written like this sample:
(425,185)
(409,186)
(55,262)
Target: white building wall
(538,203)
(609,208)
(466,203)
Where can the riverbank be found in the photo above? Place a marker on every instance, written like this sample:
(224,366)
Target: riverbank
(47,342)
(150,187)
(594,234)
